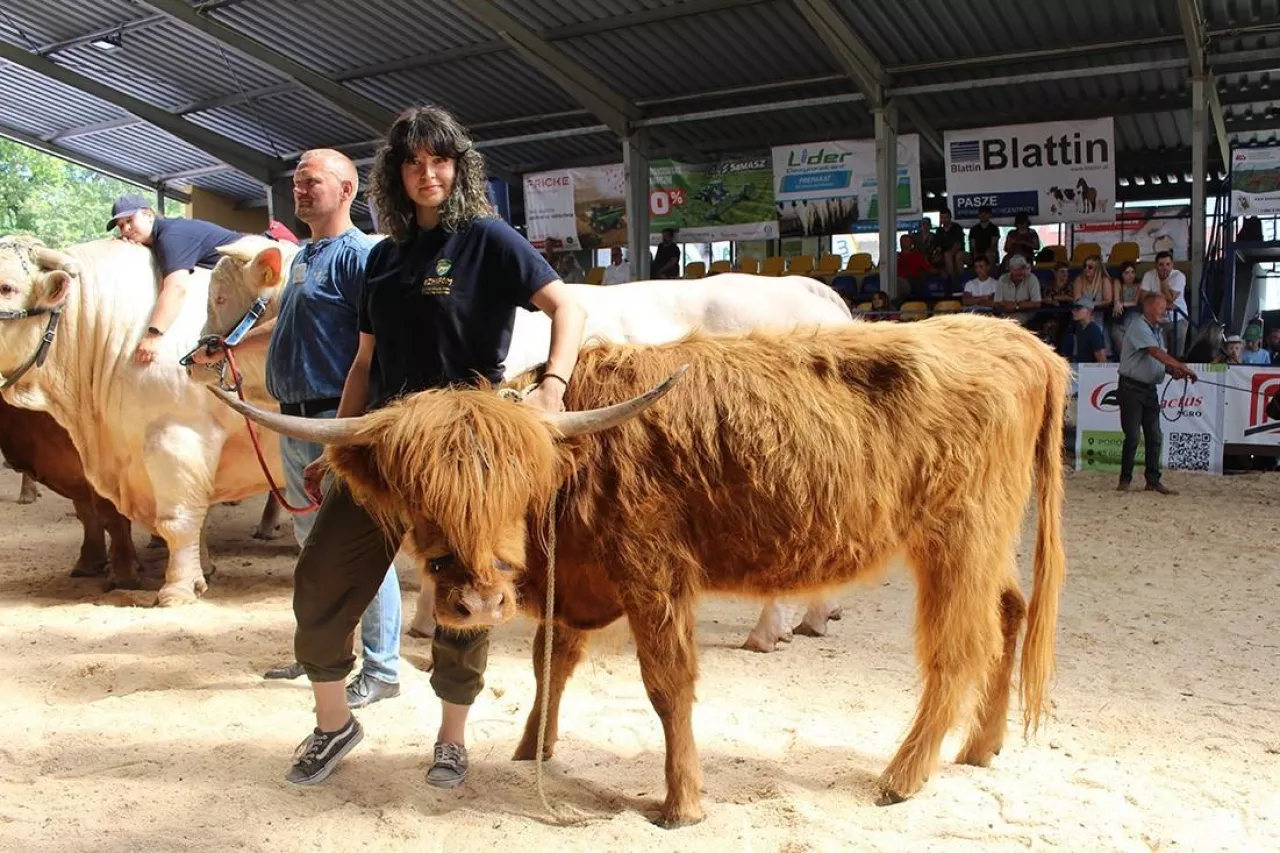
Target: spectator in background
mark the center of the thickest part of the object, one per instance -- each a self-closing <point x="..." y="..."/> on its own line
<point x="984" y="238"/>
<point x="1022" y="240"/>
<point x="1273" y="344"/>
<point x="1253" y="352"/>
<point x="1124" y="302"/>
<point x="1018" y="291"/>
<point x="882" y="307"/>
<point x="568" y="268"/>
<point x="1090" y="343"/>
<point x="1143" y="363"/>
<point x="981" y="290"/>
<point x="617" y="272"/>
<point x="950" y="239"/>
<point x="1173" y="284"/>
<point x="1093" y="282"/>
<point x="1234" y="345"/>
<point x="1061" y="293"/>
<point x="913" y="265"/>
<point x="923" y="238"/>
<point x="666" y="257"/>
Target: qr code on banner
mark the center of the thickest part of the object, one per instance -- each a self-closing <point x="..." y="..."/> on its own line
<point x="1189" y="451"/>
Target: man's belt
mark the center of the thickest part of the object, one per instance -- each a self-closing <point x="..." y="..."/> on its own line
<point x="310" y="408"/>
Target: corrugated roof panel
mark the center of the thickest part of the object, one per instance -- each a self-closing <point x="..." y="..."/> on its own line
<point x="282" y="124"/>
<point x="477" y="89"/>
<point x="38" y="105"/>
<point x="756" y="44"/>
<point x="1234" y="13"/>
<point x="548" y="14"/>
<point x="144" y="148"/>
<point x="231" y="183"/>
<point x="168" y="65"/>
<point x="334" y="35"/>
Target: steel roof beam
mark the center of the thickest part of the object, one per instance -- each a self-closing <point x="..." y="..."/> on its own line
<point x="88" y="162"/>
<point x="861" y="64"/>
<point x="1193" y="31"/>
<point x="253" y="163"/>
<point x="363" y="110"/>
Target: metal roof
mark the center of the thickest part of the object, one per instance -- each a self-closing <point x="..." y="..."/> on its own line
<point x="741" y="75"/>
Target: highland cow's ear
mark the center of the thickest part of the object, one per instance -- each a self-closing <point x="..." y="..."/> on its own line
<point x="358" y="467"/>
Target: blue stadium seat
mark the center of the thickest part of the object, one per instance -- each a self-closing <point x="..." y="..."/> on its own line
<point x="846" y="285"/>
<point x="1046" y="278"/>
<point x="870" y="285"/>
<point x="935" y="287"/>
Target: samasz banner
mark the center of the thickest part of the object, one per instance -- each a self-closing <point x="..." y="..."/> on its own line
<point x="1255" y="182"/>
<point x="1055" y="171"/>
<point x="827" y="187"/>
<point x="583" y="208"/>
<point x="710" y="202"/>
<point x="1191" y="421"/>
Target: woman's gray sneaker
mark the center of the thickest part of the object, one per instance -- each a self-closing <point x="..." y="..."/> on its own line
<point x="318" y="755"/>
<point x="450" y="767"/>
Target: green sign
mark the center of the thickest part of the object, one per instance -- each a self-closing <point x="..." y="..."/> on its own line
<point x="709" y="202"/>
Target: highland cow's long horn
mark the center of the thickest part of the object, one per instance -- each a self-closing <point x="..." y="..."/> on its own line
<point x="570" y="424"/>
<point x="318" y="430"/>
<point x="51" y="259"/>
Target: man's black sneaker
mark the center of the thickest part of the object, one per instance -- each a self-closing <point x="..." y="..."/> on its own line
<point x="365" y="690"/>
<point x="318" y="755"/>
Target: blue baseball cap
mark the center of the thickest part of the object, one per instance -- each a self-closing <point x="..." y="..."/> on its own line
<point x="126" y="206"/>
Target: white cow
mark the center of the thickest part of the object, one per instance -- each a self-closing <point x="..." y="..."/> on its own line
<point x="639" y="312"/>
<point x="152" y="441"/>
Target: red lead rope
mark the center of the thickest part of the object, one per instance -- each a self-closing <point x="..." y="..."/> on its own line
<point x="257" y="445"/>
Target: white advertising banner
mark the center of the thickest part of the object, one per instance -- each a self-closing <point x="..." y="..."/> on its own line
<point x="1056" y="171"/>
<point x="826" y="187"/>
<point x="1245" y="418"/>
<point x="1255" y="182"/>
<point x="582" y="208"/>
<point x="1191" y="421"/>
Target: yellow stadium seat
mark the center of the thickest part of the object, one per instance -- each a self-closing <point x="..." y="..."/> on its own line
<point x="1121" y="252"/>
<point x="948" y="306"/>
<point x="829" y="264"/>
<point x="864" y="306"/>
<point x="859" y="262"/>
<point x="595" y="275"/>
<point x="721" y="266"/>
<point x="774" y="266"/>
<point x="1059" y="253"/>
<point x="913" y="311"/>
<point x="800" y="265"/>
<point x="1082" y="251"/>
<point x="749" y="265"/>
<point x="695" y="269"/>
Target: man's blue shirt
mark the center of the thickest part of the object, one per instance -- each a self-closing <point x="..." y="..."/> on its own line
<point x="316" y="334"/>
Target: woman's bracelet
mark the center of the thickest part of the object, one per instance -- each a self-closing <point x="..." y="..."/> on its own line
<point x="547" y="376"/>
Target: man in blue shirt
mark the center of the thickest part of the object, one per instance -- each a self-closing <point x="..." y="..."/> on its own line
<point x="1143" y="363"/>
<point x="311" y="344"/>
<point x="179" y="245"/>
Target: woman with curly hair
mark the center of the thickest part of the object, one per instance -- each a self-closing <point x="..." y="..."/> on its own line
<point x="438" y="307"/>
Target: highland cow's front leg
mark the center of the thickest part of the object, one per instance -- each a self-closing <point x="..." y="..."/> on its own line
<point x="668" y="663"/>
<point x="568" y="646"/>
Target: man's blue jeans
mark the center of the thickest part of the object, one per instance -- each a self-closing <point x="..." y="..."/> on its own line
<point x="380" y="623"/>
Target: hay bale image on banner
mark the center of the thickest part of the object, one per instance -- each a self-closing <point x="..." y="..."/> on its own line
<point x="582" y="208"/>
<point x="1055" y="171"/>
<point x="706" y="202"/>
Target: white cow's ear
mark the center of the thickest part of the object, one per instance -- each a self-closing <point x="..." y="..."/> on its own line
<point x="54" y="290"/>
<point x="266" y="268"/>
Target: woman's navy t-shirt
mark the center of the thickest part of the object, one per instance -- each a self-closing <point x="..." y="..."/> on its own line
<point x="441" y="305"/>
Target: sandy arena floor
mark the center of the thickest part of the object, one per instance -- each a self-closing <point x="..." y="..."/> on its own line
<point x="137" y="729"/>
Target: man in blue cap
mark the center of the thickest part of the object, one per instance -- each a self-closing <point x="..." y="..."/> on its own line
<point x="180" y="245"/>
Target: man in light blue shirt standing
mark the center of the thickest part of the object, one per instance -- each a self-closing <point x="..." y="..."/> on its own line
<point x="312" y="344"/>
<point x="1143" y="363"/>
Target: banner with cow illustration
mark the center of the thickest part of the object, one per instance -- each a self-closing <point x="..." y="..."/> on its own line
<point x="829" y="187"/>
<point x="1245" y="418"/>
<point x="582" y="208"/>
<point x="1191" y="420"/>
<point x="1055" y="171"/>
<point x="712" y="202"/>
<point x="1255" y="182"/>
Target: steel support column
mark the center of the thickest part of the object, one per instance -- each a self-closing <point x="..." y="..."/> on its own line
<point x="887" y="193"/>
<point x="635" y="163"/>
<point x="1199" y="168"/>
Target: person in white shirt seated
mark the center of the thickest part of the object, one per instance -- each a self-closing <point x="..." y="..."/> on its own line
<point x="617" y="272"/>
<point x="980" y="291"/>
<point x="1173" y="284"/>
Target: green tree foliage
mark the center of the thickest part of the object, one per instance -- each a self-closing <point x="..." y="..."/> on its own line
<point x="57" y="201"/>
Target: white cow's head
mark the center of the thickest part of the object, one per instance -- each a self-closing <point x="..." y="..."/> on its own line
<point x="250" y="267"/>
<point x="34" y="281"/>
